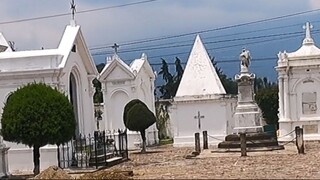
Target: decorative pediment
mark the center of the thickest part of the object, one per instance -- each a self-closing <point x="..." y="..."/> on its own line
<point x="73" y="42"/>
<point x="116" y="69"/>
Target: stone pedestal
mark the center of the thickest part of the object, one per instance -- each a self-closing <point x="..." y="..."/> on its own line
<point x="248" y="116"/>
<point x="4" y="168"/>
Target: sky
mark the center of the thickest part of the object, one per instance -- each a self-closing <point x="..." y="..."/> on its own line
<point x="163" y="18"/>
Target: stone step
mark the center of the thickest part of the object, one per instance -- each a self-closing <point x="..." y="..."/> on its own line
<point x="250" y="143"/>
<point x="109" y="162"/>
<point x="101" y="157"/>
<point x="250" y="136"/>
<point x="249" y="149"/>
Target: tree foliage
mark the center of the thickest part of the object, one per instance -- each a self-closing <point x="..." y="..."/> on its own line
<point x="138" y="117"/>
<point x="268" y="101"/>
<point x="229" y="85"/>
<point x="128" y="106"/>
<point x="167" y="89"/>
<point x="162" y="117"/>
<point x="37" y="115"/>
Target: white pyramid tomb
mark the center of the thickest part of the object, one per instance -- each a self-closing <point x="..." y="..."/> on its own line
<point x="200" y="77"/>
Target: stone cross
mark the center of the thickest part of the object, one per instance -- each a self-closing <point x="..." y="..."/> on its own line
<point x="115" y="47"/>
<point x="199" y="117"/>
<point x="308" y="28"/>
<point x="73" y="8"/>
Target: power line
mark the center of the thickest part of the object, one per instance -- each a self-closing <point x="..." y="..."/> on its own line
<point x="216" y="29"/>
<point x="211" y="42"/>
<point x="224" y="61"/>
<point x="211" y="37"/>
<point x="224" y="47"/>
<point x="287" y="36"/>
<point x="79" y="12"/>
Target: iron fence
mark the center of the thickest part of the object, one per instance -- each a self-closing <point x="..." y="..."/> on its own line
<point x="100" y="149"/>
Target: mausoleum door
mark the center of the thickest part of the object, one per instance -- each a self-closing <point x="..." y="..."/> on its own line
<point x="74" y="101"/>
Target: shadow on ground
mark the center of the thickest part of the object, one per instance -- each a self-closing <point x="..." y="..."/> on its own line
<point x="148" y="152"/>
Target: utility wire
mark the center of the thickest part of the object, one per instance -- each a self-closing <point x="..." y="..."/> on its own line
<point x="211" y="37"/>
<point x="224" y="47"/>
<point x="224" y="61"/>
<point x="216" y="29"/>
<point x="190" y="44"/>
<point x="79" y="12"/>
<point x="287" y="36"/>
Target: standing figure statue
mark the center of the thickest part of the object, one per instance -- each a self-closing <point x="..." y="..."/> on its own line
<point x="245" y="59"/>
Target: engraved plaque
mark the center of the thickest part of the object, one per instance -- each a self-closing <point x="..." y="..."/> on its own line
<point x="310" y="129"/>
<point x="309" y="104"/>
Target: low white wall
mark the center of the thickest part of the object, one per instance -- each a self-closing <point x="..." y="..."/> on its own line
<point x="21" y="160"/>
<point x="189" y="141"/>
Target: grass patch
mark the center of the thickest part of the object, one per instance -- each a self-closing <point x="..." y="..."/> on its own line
<point x="166" y="141"/>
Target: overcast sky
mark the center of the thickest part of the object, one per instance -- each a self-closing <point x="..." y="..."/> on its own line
<point x="153" y="19"/>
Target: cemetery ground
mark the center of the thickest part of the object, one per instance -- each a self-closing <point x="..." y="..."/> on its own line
<point x="166" y="162"/>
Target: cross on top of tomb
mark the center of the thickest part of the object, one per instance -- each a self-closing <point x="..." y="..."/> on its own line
<point x="73" y="9"/>
<point x="308" y="39"/>
<point x="199" y="117"/>
<point x="115" y="47"/>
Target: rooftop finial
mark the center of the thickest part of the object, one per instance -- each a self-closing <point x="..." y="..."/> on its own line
<point x="308" y="39"/>
<point x="115" y="47"/>
<point x="73" y="8"/>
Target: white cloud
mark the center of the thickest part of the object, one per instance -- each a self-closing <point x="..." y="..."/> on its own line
<point x="314" y="4"/>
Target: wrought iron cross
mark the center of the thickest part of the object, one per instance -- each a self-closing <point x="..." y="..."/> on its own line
<point x="73" y="8"/>
<point x="199" y="117"/>
<point x="115" y="47"/>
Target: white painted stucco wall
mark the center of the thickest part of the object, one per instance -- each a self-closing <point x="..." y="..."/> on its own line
<point x="217" y="121"/>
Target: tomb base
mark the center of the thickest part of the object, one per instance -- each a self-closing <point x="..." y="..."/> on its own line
<point x="261" y="141"/>
<point x="247" y="118"/>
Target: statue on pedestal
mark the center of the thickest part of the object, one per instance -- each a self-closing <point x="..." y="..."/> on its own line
<point x="245" y="60"/>
<point x="248" y="116"/>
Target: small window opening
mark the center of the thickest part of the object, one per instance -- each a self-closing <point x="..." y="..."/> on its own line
<point x="74" y="48"/>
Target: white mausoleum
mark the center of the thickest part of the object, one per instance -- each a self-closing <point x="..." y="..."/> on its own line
<point x="69" y="68"/>
<point x="299" y="92"/>
<point x="122" y="83"/>
<point x="201" y="103"/>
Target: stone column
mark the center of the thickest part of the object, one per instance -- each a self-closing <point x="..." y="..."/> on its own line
<point x="286" y="98"/>
<point x="281" y="111"/>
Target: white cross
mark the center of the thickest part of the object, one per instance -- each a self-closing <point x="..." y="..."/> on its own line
<point x="199" y="117"/>
<point x="308" y="28"/>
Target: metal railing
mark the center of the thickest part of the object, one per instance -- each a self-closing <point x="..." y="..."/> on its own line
<point x="93" y="151"/>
